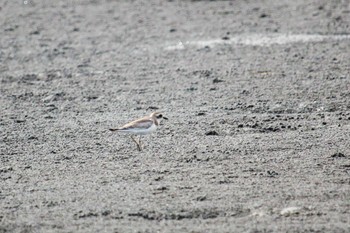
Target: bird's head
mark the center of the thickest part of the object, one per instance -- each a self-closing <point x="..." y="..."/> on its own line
<point x="159" y="116"/>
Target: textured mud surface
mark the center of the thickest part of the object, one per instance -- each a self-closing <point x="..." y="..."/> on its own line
<point x="258" y="137"/>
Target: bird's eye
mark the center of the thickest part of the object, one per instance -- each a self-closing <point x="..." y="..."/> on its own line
<point x="160" y="116"/>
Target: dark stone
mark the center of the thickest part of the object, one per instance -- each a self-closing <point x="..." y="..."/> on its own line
<point x="216" y="80"/>
<point x="338" y="155"/>
<point x="211" y="133"/>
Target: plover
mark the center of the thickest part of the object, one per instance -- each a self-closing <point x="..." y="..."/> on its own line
<point x="142" y="126"/>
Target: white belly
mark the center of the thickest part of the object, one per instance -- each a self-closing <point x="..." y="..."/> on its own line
<point x="140" y="131"/>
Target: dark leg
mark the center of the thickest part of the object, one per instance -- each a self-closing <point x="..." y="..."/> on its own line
<point x="140" y="141"/>
<point x="137" y="143"/>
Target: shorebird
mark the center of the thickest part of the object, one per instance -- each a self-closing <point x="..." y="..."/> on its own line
<point x="142" y="126"/>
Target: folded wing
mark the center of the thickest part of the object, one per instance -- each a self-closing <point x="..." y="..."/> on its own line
<point x="138" y="124"/>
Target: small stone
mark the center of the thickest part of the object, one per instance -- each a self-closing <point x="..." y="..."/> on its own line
<point x="49" y="98"/>
<point x="201" y="198"/>
<point x="20" y="120"/>
<point x="9" y="29"/>
<point x="158" y="178"/>
<point x="48" y="117"/>
<point x="290" y="211"/>
<point x="211" y="133"/>
<point x="36" y="32"/>
<point x="338" y="155"/>
<point x="6" y="169"/>
<point x="216" y="80"/>
<point x="106" y="213"/>
<point x="272" y="173"/>
<point x="191" y="89"/>
<point x="162" y="188"/>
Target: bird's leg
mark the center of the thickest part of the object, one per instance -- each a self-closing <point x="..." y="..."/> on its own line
<point x="137" y="143"/>
<point x="133" y="139"/>
<point x="140" y="141"/>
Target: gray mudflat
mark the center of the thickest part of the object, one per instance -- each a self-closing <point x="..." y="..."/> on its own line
<point x="258" y="99"/>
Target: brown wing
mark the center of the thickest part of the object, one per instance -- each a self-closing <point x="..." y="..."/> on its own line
<point x="144" y="123"/>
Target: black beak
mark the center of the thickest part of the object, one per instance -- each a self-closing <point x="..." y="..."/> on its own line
<point x="165" y="118"/>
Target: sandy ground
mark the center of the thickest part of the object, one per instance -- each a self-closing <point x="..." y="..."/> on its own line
<point x="258" y="99"/>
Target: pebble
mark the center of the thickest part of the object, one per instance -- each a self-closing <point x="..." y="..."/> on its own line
<point x="290" y="211"/>
<point x="212" y="133"/>
<point x="49" y="98"/>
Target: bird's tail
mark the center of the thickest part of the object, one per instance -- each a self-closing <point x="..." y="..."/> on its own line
<point x="113" y="130"/>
